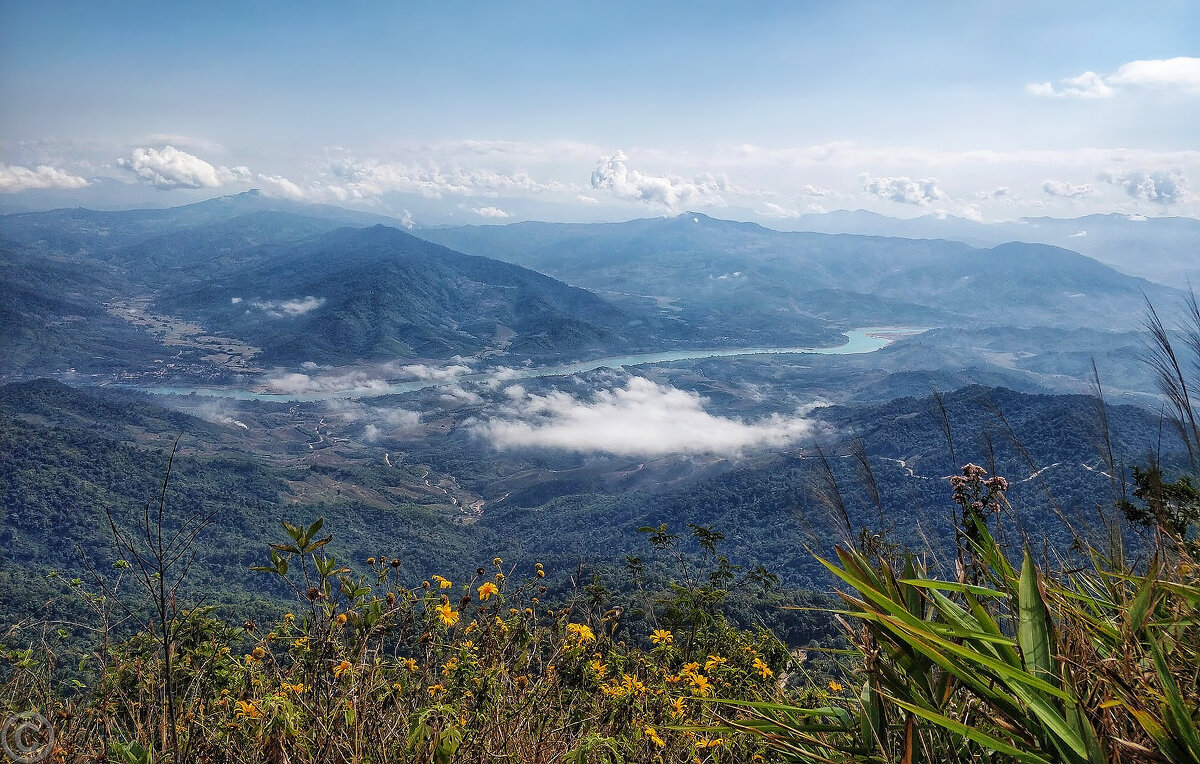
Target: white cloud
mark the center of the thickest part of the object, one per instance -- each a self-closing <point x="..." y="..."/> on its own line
<point x="281" y="186"/>
<point x="1067" y="190"/>
<point x="773" y="210"/>
<point x="288" y="308"/>
<point x="373" y="178"/>
<point x="489" y="212"/>
<point x="669" y="191"/>
<point x="1078" y="235"/>
<point x="903" y="190"/>
<point x="1181" y="74"/>
<point x="642" y="418"/>
<point x="1160" y="187"/>
<point x="295" y="383"/>
<point x="429" y="373"/>
<point x="1086" y="85"/>
<point x="15" y="178"/>
<point x="170" y="167"/>
<point x="216" y="413"/>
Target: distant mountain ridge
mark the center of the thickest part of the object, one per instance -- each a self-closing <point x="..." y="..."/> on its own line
<point x="732" y="268"/>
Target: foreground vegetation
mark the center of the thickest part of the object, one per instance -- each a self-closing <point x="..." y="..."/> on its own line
<point x="1091" y="659"/>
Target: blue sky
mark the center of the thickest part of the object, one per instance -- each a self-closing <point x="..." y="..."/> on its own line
<point x="486" y="112"/>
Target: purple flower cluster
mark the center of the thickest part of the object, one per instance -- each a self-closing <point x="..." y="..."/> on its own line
<point x="975" y="492"/>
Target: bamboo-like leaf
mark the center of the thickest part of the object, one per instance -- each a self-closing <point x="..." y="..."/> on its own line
<point x="1178" y="719"/>
<point x="975" y="735"/>
<point x="952" y="586"/>
<point x="1033" y="624"/>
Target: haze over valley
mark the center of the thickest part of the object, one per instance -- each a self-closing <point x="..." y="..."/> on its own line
<point x="646" y="383"/>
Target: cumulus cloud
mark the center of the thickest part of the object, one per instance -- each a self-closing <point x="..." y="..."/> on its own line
<point x="489" y="212"/>
<point x="170" y="167"/>
<point x="1160" y="187"/>
<point x="612" y="174"/>
<point x="287" y="308"/>
<point x="1086" y="85"/>
<point x="15" y="178"/>
<point x="281" y="186"/>
<point x="1067" y="190"/>
<point x="642" y="418"/>
<point x="1180" y="74"/>
<point x="903" y="190"/>
<point x="972" y="212"/>
<point x="358" y="179"/>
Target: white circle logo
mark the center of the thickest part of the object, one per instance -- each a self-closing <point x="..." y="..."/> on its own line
<point x="27" y="737"/>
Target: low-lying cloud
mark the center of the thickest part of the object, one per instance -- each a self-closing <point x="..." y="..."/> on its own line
<point x="643" y="418"/>
<point x="353" y="382"/>
<point x="1065" y="190"/>
<point x="612" y="174"/>
<point x="14" y="178"/>
<point x="288" y="308"/>
<point x="1160" y="187"/>
<point x="489" y="212"/>
<point x="904" y="190"/>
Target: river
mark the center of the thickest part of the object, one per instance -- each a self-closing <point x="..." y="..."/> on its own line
<point x="866" y="339"/>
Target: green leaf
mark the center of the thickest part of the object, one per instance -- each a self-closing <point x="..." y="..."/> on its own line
<point x="975" y="735"/>
<point x="1034" y="625"/>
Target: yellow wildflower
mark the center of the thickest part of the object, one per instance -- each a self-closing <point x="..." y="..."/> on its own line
<point x="689" y="669"/>
<point x="501" y="625"/>
<point x="259" y="653"/>
<point x="706" y="742"/>
<point x="442" y="583"/>
<point x="341" y="668"/>
<point x="700" y="684"/>
<point x="247" y="710"/>
<point x="487" y="590"/>
<point x="714" y="661"/>
<point x="410" y="664"/>
<point x="661" y="637"/>
<point x="835" y="686"/>
<point x="631" y="685"/>
<point x="446" y="614"/>
<point x="581" y="632"/>
<point x="435" y="689"/>
<point x="289" y="618"/>
<point x="678" y="707"/>
<point x="598" y="666"/>
<point x="763" y="668"/>
<point x="497" y="562"/>
<point x="341" y="619"/>
<point x="652" y="735"/>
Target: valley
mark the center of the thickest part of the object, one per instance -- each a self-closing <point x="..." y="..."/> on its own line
<point x="389" y="383"/>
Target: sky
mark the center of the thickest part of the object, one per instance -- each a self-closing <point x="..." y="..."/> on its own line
<point x="469" y="112"/>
